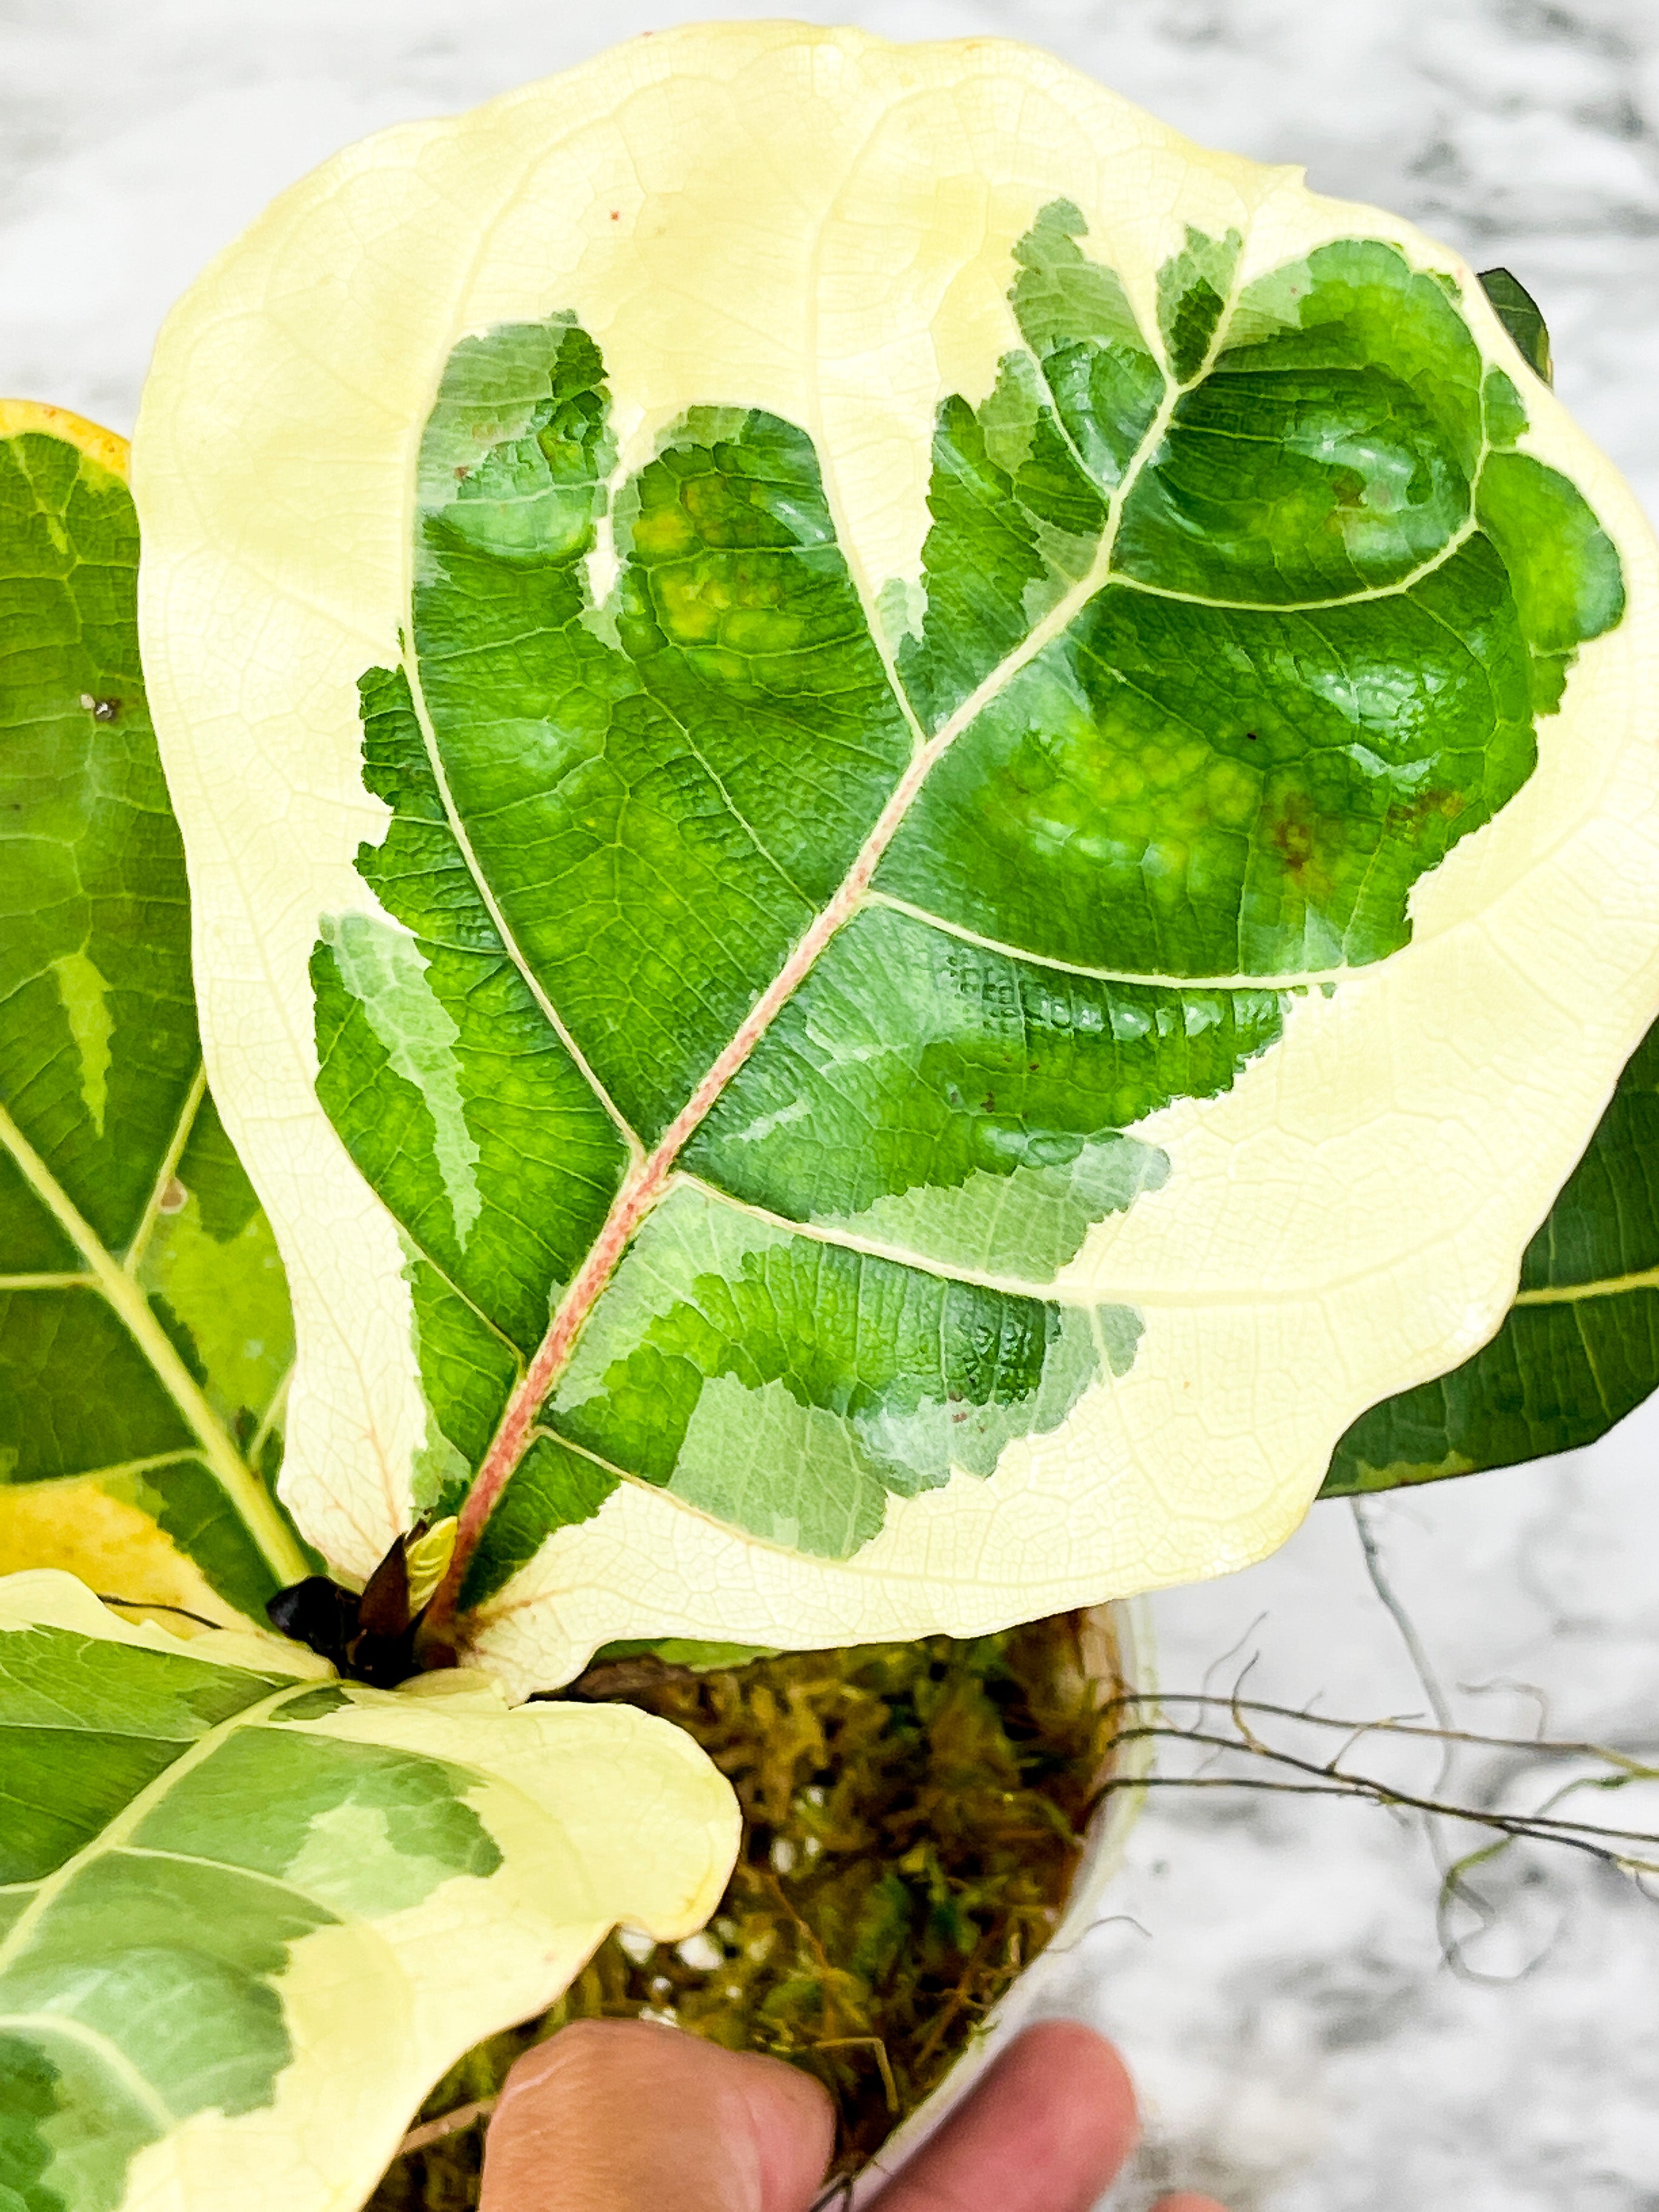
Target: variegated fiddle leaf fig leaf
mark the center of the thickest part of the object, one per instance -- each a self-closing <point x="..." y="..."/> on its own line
<point x="1578" y="1349"/>
<point x="248" y="1914"/>
<point x="145" y="1339"/>
<point x="946" y="858"/>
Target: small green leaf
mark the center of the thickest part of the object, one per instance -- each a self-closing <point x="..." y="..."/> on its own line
<point x="246" y="1921"/>
<point x="1520" y="315"/>
<point x="145" y="1339"/>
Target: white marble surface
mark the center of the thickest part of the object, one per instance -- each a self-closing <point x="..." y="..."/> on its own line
<point x="1302" y="2046"/>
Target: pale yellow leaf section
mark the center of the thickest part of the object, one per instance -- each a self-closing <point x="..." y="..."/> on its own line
<point x="820" y="223"/>
<point x="48" y="1597"/>
<point x="111" y="1544"/>
<point x="601" y="1814"/>
<point x="84" y="996"/>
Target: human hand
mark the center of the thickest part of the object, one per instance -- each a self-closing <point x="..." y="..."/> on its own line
<point x="625" y="2116"/>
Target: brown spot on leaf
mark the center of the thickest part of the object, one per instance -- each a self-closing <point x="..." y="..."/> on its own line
<point x="1407" y="814"/>
<point x="1294" y="838"/>
<point x="1306" y="844"/>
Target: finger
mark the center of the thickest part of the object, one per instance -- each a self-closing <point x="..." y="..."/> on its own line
<point x="626" y="2115"/>
<point x="1044" y="2130"/>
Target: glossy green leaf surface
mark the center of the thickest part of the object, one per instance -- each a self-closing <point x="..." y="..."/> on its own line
<point x="1578" y="1350"/>
<point x="145" y="1338"/>
<point x="897" y="866"/>
<point x="616" y="837"/>
<point x="246" y="1918"/>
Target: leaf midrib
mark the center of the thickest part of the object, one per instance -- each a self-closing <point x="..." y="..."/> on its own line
<point x="649" y="1174"/>
<point x="648" y="1177"/>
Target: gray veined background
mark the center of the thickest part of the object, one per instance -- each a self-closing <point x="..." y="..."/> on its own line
<point x="1280" y="1987"/>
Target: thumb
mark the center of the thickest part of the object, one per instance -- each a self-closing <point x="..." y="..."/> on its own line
<point x="1046" y="2127"/>
<point x="626" y="2115"/>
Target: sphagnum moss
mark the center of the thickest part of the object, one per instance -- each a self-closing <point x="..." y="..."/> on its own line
<point x="913" y="1816"/>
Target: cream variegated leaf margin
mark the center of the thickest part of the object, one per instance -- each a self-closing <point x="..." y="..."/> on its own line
<point x="248" y="1913"/>
<point x="829" y="231"/>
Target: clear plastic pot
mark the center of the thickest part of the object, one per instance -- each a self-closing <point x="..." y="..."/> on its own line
<point x="1117" y="1652"/>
